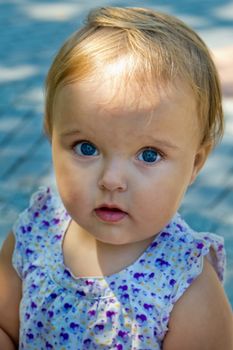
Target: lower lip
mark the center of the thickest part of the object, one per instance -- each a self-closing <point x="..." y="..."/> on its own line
<point x="110" y="215"/>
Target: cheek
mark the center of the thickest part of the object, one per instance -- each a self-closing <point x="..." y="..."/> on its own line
<point x="73" y="195"/>
<point x="75" y="185"/>
<point x="164" y="188"/>
<point x="66" y="170"/>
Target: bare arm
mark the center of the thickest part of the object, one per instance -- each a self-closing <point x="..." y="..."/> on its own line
<point x="202" y="318"/>
<point x="10" y="296"/>
<point x="6" y="342"/>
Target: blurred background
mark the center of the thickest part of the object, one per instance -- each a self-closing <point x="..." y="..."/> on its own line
<point x="30" y="34"/>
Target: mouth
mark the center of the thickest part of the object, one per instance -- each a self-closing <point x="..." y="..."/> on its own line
<point x="110" y="213"/>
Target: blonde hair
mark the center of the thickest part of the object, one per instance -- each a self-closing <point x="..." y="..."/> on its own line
<point x="164" y="48"/>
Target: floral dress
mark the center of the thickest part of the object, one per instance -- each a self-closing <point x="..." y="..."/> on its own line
<point x="128" y="310"/>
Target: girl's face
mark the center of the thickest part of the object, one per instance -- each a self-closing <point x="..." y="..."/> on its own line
<point x="122" y="160"/>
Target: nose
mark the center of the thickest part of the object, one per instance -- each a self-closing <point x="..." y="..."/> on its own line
<point x="113" y="177"/>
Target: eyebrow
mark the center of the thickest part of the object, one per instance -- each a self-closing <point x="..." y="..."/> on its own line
<point x="165" y="143"/>
<point x="161" y="142"/>
<point x="67" y="133"/>
<point x="157" y="142"/>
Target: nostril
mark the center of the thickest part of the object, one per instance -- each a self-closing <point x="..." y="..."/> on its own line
<point x="110" y="185"/>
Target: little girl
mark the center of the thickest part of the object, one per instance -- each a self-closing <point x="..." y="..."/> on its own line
<point x="133" y="108"/>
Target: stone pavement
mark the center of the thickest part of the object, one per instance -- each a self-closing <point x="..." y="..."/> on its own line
<point x="31" y="32"/>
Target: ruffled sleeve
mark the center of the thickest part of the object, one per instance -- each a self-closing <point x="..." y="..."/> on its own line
<point x="30" y="231"/>
<point x="200" y="246"/>
<point x="184" y="251"/>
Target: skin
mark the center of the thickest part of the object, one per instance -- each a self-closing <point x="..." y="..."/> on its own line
<point x="150" y="193"/>
<point x="10" y="296"/>
<point x="121" y="129"/>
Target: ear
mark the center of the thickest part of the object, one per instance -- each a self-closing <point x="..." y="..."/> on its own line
<point x="200" y="159"/>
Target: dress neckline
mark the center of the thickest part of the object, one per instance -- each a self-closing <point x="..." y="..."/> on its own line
<point x="93" y="286"/>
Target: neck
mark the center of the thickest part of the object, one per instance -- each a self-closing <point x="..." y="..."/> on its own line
<point x="86" y="256"/>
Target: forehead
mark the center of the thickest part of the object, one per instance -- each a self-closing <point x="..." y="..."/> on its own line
<point x="119" y="89"/>
<point x="109" y="102"/>
<point x="121" y="84"/>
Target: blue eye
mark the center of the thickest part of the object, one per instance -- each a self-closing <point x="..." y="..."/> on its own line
<point x="85" y="149"/>
<point x="149" y="155"/>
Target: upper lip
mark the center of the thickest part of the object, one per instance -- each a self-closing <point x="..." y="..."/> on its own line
<point x="110" y="206"/>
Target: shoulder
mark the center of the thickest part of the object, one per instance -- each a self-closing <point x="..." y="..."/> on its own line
<point x="202" y="318"/>
<point x="182" y="251"/>
<point x="45" y="210"/>
<point x="37" y="228"/>
<point x="43" y="203"/>
<point x="189" y="248"/>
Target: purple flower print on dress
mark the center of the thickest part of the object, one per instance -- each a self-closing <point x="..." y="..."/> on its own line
<point x="142" y="261"/>
<point x="200" y="245"/>
<point x="51" y="314"/>
<point x="48" y="346"/>
<point x="33" y="305"/>
<point x="141" y="318"/>
<point x="124" y="297"/>
<point x="136" y="291"/>
<point x="80" y="293"/>
<point x="27" y="316"/>
<point x="123" y="334"/>
<point x="118" y="347"/>
<point x="55" y="221"/>
<point x="165" y="235"/>
<point x="36" y="214"/>
<point x="99" y="328"/>
<point x="44" y="225"/>
<point x="28" y="228"/>
<point x="220" y="247"/>
<point x="110" y="314"/>
<point x="32" y="267"/>
<point x="172" y="282"/>
<point x="64" y="337"/>
<point x="91" y="312"/>
<point x="52" y="296"/>
<point x="153" y="245"/>
<point x="67" y="273"/>
<point x="23" y="229"/>
<point x="123" y="288"/>
<point x="38" y="238"/>
<point x="40" y="324"/>
<point x="190" y="280"/>
<point x="30" y="337"/>
<point x="29" y="251"/>
<point x="162" y="264"/>
<point x="139" y="275"/>
<point x="151" y="275"/>
<point x="67" y="307"/>
<point x="148" y="307"/>
<point x="87" y="343"/>
<point x="56" y="238"/>
<point x="89" y="283"/>
<point x="180" y="227"/>
<point x="74" y="327"/>
<point x="187" y="253"/>
<point x="40" y="198"/>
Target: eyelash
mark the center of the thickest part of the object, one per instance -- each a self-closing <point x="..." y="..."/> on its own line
<point x="159" y="153"/>
<point x="151" y="149"/>
<point x="80" y="143"/>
